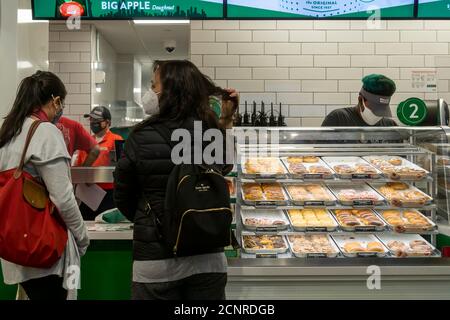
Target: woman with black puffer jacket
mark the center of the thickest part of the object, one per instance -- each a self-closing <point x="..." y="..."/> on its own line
<point x="180" y="96"/>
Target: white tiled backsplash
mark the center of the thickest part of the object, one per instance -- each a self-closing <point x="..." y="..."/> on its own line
<point x="314" y="67"/>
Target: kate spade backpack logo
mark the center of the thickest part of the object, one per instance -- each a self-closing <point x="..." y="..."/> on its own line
<point x="202" y="188"/>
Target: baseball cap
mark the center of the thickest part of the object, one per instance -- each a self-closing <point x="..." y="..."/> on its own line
<point x="99" y="113"/>
<point x="378" y="90"/>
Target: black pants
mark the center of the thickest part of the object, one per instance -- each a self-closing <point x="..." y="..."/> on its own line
<point x="106" y="204"/>
<point x="46" y="288"/>
<point x="205" y="286"/>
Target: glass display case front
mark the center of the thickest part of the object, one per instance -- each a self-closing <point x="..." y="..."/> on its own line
<point x="340" y="192"/>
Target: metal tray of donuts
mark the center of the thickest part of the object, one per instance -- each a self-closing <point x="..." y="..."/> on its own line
<point x="359" y="220"/>
<point x="358" y="245"/>
<point x="263" y="201"/>
<point x="407" y="221"/>
<point x="312" y="220"/>
<point x="307" y="168"/>
<point x="357" y="195"/>
<point x="408" y="245"/>
<point x="264" y="244"/>
<point x="264" y="220"/>
<point x="314" y="194"/>
<point x="397" y="168"/>
<point x="400" y="194"/>
<point x="263" y="168"/>
<point x="313" y="246"/>
<point x="354" y="168"/>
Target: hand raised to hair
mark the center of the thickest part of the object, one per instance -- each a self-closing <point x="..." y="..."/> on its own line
<point x="230" y="106"/>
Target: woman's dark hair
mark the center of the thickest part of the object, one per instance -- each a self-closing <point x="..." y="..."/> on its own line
<point x="33" y="93"/>
<point x="185" y="93"/>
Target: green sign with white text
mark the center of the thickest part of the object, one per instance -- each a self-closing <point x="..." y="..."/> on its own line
<point x="123" y="9"/>
<point x="434" y="9"/>
<point x="412" y="111"/>
<point x="323" y="9"/>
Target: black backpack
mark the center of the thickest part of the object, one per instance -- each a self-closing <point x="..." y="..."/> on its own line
<point x="197" y="213"/>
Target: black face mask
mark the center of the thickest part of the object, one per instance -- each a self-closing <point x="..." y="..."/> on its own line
<point x="96" y="127"/>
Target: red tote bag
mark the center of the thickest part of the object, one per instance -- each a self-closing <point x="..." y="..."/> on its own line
<point x="32" y="233"/>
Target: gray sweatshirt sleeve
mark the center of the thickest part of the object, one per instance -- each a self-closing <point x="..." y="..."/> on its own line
<point x="56" y="176"/>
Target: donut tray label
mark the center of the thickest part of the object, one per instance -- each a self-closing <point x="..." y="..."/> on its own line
<point x="266" y="255"/>
<point x="360" y="176"/>
<point x="363" y="203"/>
<point x="266" y="230"/>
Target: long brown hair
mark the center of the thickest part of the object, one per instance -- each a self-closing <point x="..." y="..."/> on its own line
<point x="34" y="92"/>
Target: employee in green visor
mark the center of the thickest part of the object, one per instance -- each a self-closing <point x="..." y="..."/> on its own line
<point x="373" y="107"/>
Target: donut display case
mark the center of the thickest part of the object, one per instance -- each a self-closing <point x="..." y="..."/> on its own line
<point x="374" y="201"/>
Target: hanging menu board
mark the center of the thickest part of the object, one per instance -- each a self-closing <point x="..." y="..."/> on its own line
<point x="434" y="9"/>
<point x="123" y="9"/>
<point x="324" y="9"/>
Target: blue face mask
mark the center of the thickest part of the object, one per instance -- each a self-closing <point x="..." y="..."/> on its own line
<point x="58" y="116"/>
<point x="59" y="113"/>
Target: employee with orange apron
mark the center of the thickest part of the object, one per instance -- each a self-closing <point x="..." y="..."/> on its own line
<point x="100" y="122"/>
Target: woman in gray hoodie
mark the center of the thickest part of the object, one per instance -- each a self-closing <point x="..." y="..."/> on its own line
<point x="41" y="97"/>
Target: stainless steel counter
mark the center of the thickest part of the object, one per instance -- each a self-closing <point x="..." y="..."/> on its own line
<point x="92" y="174"/>
<point x="444" y="228"/>
<point x="339" y="278"/>
<point x="338" y="267"/>
<point x="119" y="231"/>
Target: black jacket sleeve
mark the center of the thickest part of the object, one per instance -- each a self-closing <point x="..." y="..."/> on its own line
<point x="125" y="180"/>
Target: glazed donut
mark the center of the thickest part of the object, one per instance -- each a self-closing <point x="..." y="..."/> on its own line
<point x="395" y="161"/>
<point x="397" y="185"/>
<point x="375" y="247"/>
<point x="416" y="243"/>
<point x="353" y="247"/>
<point x="310" y="159"/>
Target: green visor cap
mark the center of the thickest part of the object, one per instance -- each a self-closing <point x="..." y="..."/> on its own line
<point x="379" y="85"/>
<point x="378" y="90"/>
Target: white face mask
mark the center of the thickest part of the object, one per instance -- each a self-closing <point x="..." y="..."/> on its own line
<point x="368" y="116"/>
<point x="150" y="102"/>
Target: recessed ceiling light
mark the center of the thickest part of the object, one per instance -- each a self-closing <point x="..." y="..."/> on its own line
<point x="24" y="64"/>
<point x="26" y="16"/>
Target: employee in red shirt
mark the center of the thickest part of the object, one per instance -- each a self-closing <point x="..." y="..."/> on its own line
<point x="100" y="122"/>
<point x="77" y="138"/>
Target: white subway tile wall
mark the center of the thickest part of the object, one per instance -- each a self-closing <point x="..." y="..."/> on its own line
<point x="70" y="59"/>
<point x="315" y="67"/>
<point x="311" y="67"/>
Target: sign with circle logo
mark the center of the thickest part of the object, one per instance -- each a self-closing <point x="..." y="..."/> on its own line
<point x="71" y="8"/>
<point x="412" y="111"/>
